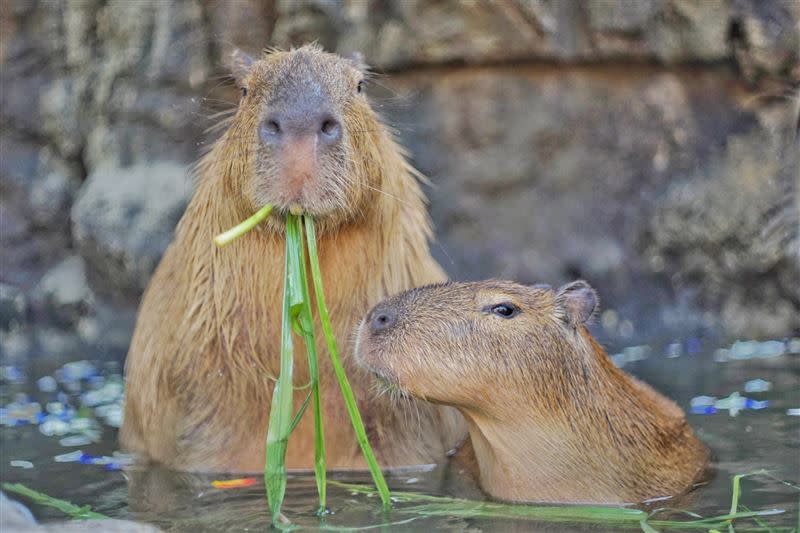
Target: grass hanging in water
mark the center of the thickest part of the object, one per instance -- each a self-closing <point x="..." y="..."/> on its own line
<point x="305" y="325"/>
<point x="68" y="508"/>
<point x="344" y="384"/>
<point x="425" y="506"/>
<point x="297" y="316"/>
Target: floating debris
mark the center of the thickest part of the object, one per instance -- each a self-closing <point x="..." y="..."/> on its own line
<point x="21" y="464"/>
<point x="71" y="457"/>
<point x="107" y="392"/>
<point x="76" y="371"/>
<point x="722" y="355"/>
<point x="694" y="345"/>
<point x="702" y="401"/>
<point x="12" y="374"/>
<point x="233" y="483"/>
<point x="87" y="459"/>
<point x="708" y="405"/>
<point x="703" y="405"/>
<point x="631" y="354"/>
<point x="412" y="480"/>
<point x="757" y="385"/>
<point x="53" y="427"/>
<point x="736" y="403"/>
<point x="47" y="384"/>
<point x="111" y="414"/>
<point x="21" y="412"/>
<point x="793" y="346"/>
<point x="673" y="350"/>
<point x="75" y="440"/>
<point x="795" y="411"/>
<point x="744" y="350"/>
<point x="54" y="408"/>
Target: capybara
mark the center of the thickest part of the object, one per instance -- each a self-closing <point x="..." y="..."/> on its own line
<point x="550" y="418"/>
<point x="205" y="351"/>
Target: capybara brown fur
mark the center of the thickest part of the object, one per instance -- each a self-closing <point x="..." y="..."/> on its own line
<point x="205" y="351"/>
<point x="550" y="418"/>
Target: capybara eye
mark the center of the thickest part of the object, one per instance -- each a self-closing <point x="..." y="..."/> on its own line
<point x="360" y="87"/>
<point x="244" y="91"/>
<point x="505" y="310"/>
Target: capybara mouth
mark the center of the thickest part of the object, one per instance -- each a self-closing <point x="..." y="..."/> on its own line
<point x="366" y="355"/>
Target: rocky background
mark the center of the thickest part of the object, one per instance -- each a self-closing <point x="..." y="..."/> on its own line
<point x="648" y="146"/>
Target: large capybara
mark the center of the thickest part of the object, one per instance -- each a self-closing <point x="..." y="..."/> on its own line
<point x="550" y="418"/>
<point x="205" y="352"/>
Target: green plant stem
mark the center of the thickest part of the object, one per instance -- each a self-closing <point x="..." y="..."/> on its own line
<point x="623" y="517"/>
<point x="344" y="384"/>
<point x="280" y="414"/>
<point x="83" y="513"/>
<point x="243" y="227"/>
<point x="309" y="339"/>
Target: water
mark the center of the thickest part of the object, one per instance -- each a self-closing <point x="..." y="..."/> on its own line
<point x="764" y="438"/>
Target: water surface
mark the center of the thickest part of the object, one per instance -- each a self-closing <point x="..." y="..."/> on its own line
<point x="767" y="438"/>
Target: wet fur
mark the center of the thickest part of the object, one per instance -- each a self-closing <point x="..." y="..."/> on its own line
<point x="551" y="419"/>
<point x="205" y="351"/>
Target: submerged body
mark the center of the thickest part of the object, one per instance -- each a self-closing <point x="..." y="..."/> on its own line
<point x="550" y="418"/>
<point x="205" y="352"/>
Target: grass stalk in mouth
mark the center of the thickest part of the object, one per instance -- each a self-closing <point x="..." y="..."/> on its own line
<point x="297" y="316"/>
<point x="305" y="324"/>
<point x="243" y="227"/>
<point x="280" y="413"/>
<point x="344" y="384"/>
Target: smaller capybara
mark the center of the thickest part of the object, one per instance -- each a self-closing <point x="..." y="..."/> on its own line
<point x="550" y="418"/>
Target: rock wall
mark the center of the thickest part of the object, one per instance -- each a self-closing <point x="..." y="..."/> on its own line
<point x="647" y="146"/>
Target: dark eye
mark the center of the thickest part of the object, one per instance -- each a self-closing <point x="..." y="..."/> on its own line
<point x="505" y="310"/>
<point x="360" y="87"/>
<point x="244" y="91"/>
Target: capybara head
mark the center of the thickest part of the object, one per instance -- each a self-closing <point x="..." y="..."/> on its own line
<point x="453" y="342"/>
<point x="305" y="133"/>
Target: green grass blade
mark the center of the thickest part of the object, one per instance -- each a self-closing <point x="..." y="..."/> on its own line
<point x="344" y="384"/>
<point x="647" y="528"/>
<point x="620" y="517"/>
<point x="307" y="331"/>
<point x="280" y="413"/>
<point x="243" y="227"/>
<point x="82" y="513"/>
<point x="300" y="412"/>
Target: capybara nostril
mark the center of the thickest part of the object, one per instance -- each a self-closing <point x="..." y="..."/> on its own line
<point x="270" y="130"/>
<point x="331" y="130"/>
<point x="381" y="320"/>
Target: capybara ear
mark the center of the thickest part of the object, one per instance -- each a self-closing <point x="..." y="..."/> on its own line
<point x="576" y="302"/>
<point x="241" y="62"/>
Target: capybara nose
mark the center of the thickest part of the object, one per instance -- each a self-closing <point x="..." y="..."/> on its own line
<point x="322" y="125"/>
<point x="381" y="319"/>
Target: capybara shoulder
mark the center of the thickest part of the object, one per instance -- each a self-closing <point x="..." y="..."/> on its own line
<point x="550" y="418"/>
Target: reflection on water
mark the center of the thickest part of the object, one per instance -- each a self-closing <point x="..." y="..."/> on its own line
<point x="764" y="438"/>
